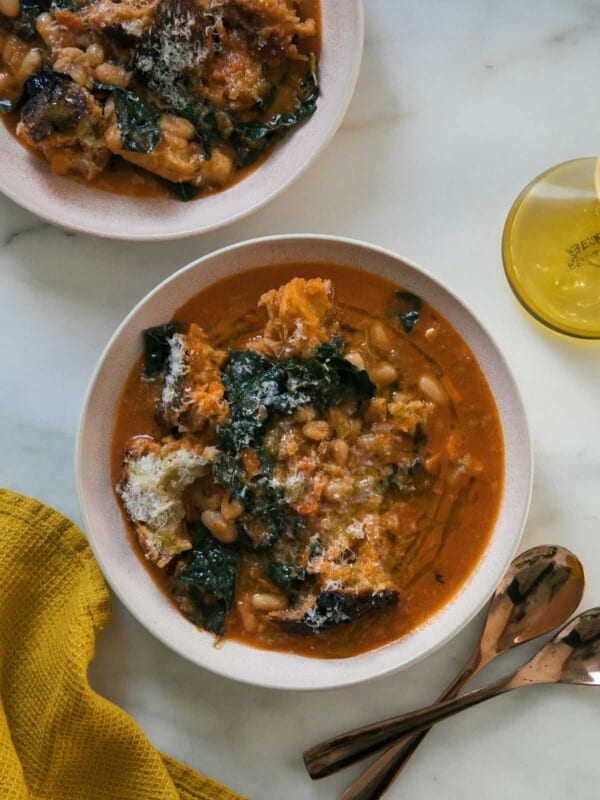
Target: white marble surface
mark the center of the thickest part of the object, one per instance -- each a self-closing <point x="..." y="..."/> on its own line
<point x="458" y="105"/>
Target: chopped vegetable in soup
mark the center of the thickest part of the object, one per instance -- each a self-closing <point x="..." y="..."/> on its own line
<point x="178" y="96"/>
<point x="313" y="468"/>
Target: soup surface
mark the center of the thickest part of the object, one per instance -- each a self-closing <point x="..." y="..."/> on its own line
<point x="311" y="457"/>
<point x="156" y="98"/>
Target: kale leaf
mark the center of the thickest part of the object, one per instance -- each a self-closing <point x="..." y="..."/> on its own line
<point x="137" y="120"/>
<point x="210" y="576"/>
<point x="252" y="139"/>
<point x="256" y="388"/>
<point x="157" y="348"/>
<point x="228" y="472"/>
<point x="182" y="191"/>
<point x="409" y="310"/>
<point x="24" y="25"/>
<point x="266" y="515"/>
<point x="252" y="389"/>
<point x="284" y="575"/>
<point x="202" y="116"/>
<point x="315" y="382"/>
<point x="350" y="378"/>
<point x="43" y="81"/>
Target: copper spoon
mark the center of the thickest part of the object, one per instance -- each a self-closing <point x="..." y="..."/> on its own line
<point x="572" y="657"/>
<point x="536" y="614"/>
<point x="540" y="590"/>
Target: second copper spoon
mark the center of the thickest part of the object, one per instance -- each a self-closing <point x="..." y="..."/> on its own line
<point x="540" y="590"/>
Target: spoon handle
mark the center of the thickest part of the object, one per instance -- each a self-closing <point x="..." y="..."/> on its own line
<point x="333" y="754"/>
<point x="318" y="768"/>
<point x="373" y="782"/>
<point x="375" y="779"/>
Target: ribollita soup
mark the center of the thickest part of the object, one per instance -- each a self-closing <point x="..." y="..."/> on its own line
<point x="309" y="458"/>
<point x="150" y="98"/>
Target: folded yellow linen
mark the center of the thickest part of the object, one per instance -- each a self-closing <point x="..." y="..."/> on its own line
<point x="59" y="740"/>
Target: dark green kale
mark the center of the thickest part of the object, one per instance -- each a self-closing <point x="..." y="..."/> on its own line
<point x="182" y="191"/>
<point x="157" y="348"/>
<point x="24" y="25"/>
<point x="137" y="120"/>
<point x="409" y="309"/>
<point x="256" y="388"/>
<point x="266" y="515"/>
<point x="228" y="472"/>
<point x="316" y="382"/>
<point x="252" y="139"/>
<point x="210" y="576"/>
<point x="252" y="389"/>
<point x="351" y="378"/>
<point x="285" y="575"/>
<point x="43" y="81"/>
<point x="202" y="116"/>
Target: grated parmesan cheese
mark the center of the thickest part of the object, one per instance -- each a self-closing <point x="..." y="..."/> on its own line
<point x="174" y="48"/>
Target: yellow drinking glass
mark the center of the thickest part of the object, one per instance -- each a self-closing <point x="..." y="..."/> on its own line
<point x="551" y="248"/>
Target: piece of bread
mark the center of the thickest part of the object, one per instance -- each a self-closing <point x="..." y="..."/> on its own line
<point x="154" y="478"/>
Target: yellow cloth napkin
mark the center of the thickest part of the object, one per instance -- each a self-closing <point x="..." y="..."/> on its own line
<point x="59" y="740"/>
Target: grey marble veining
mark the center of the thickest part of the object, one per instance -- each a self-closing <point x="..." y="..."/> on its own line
<point x="458" y="105"/>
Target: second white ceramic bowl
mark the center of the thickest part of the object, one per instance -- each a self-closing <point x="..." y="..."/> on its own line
<point x="130" y="579"/>
<point x="28" y="181"/>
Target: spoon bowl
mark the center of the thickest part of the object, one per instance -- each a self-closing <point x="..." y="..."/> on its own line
<point x="541" y="589"/>
<point x="572" y="657"/>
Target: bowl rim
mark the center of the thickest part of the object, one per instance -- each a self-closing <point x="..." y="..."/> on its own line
<point x="46" y="211"/>
<point x="334" y="677"/>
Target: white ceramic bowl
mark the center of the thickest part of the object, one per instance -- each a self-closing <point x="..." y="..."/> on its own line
<point x="130" y="579"/>
<point x="28" y="181"/>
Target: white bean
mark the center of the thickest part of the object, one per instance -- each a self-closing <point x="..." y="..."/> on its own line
<point x="264" y="601"/>
<point x="356" y="359"/>
<point x="118" y="76"/>
<point x="379" y="338"/>
<point x="10" y="8"/>
<point x="31" y="63"/>
<point x="95" y="55"/>
<point x="222" y="530"/>
<point x="383" y="374"/>
<point x="433" y="389"/>
<point x="305" y="414"/>
<point x="339" y="451"/>
<point x="231" y="509"/>
<point x="317" y="430"/>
